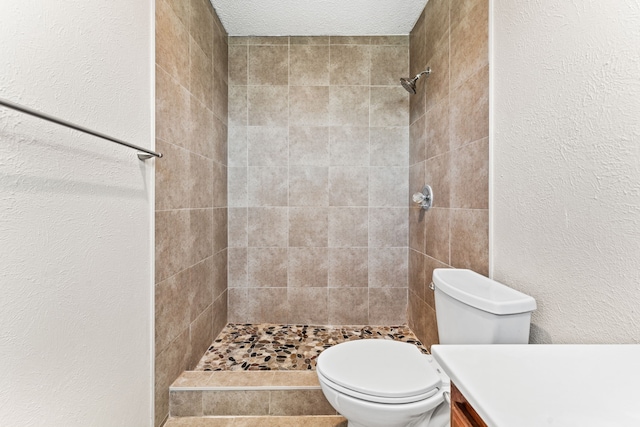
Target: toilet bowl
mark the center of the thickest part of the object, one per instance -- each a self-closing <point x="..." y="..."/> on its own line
<point x="384" y="383"/>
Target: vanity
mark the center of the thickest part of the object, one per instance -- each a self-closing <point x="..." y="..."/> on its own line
<point x="543" y="385"/>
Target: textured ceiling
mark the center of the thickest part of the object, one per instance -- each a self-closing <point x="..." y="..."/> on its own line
<point x="318" y="17"/>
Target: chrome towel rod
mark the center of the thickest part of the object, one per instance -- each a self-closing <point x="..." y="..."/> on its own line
<point x="146" y="154"/>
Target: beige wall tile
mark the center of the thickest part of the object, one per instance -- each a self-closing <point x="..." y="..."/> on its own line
<point x="219" y="229"/>
<point x="390" y="40"/>
<point x="238" y="106"/>
<point x="172" y="309"/>
<point x="201" y="129"/>
<point x="238" y="269"/>
<point x="350" y="65"/>
<point x="267" y="146"/>
<point x="389" y="146"/>
<point x="309" y="105"/>
<point x="418" y="46"/>
<point x="388" y="186"/>
<point x="238" y="305"/>
<point x="470" y="239"/>
<point x="308" y="186"/>
<point x="267" y="186"/>
<point x="267" y="267"/>
<point x="172" y="176"/>
<point x="469" y="109"/>
<point x="200" y="289"/>
<point x="201" y="335"/>
<point x="268" y="227"/>
<point x="309" y="145"/>
<point x="169" y="365"/>
<point x="437" y="234"/>
<point x="172" y="43"/>
<point x="436" y="26"/>
<point x="200" y="234"/>
<point x="418" y="141"/>
<point x="238" y="65"/>
<point x="469" y="40"/>
<point x="417" y="229"/>
<point x="172" y="110"/>
<point x="388" y="64"/>
<point x="268" y="105"/>
<point x="388" y="306"/>
<point x="348" y="227"/>
<point x="348" y="306"/>
<point x="219" y="277"/>
<point x="389" y="106"/>
<point x="201" y="24"/>
<point x="437" y="85"/>
<point x="364" y="40"/>
<point x="388" y="227"/>
<point x="173" y="251"/>
<point x="238" y="150"/>
<point x="309" y="64"/>
<point x="437" y="175"/>
<point x="308" y="306"/>
<point x="348" y="267"/>
<point x="437" y="119"/>
<point x="470" y="176"/>
<point x="268" y="305"/>
<point x="308" y="227"/>
<point x="388" y="267"/>
<point x="268" y="65"/>
<point x="220" y="95"/>
<point x="220" y="149"/>
<point x="348" y="186"/>
<point x="238" y="187"/>
<point x="268" y="40"/>
<point x="220" y="184"/>
<point x="417" y="274"/>
<point x="349" y="106"/>
<point x="200" y="189"/>
<point x="309" y="40"/>
<point x="201" y="70"/>
<point x="308" y="267"/>
<point x="349" y="146"/>
<point x="238" y="234"/>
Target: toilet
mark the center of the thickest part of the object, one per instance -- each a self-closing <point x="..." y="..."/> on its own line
<point x="385" y="383"/>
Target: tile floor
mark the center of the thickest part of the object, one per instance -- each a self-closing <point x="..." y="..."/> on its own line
<point x="265" y="347"/>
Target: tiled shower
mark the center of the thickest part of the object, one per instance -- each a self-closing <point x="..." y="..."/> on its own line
<point x="318" y="189"/>
<point x="284" y="195"/>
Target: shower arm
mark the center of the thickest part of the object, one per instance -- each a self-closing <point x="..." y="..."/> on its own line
<point x="427" y="72"/>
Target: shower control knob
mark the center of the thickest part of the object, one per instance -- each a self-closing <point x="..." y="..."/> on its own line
<point x="419" y="198"/>
<point x="424" y="198"/>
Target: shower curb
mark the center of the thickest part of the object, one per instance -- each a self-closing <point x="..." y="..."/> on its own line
<point x="248" y="393"/>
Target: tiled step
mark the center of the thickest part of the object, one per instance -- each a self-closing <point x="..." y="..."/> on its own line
<point x="308" y="421"/>
<point x="248" y="394"/>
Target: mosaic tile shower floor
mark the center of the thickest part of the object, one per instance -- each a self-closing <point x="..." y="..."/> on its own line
<point x="265" y="347"/>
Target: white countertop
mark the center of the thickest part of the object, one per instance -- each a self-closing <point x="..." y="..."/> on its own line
<point x="547" y="385"/>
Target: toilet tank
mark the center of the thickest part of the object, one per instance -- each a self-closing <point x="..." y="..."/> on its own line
<point x="473" y="309"/>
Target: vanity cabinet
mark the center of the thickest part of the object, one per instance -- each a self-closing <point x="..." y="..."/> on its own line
<point x="462" y="413"/>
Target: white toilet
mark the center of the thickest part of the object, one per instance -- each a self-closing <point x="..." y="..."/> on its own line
<point x="384" y="383"/>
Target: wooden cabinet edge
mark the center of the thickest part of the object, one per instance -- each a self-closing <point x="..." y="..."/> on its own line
<point x="462" y="413"/>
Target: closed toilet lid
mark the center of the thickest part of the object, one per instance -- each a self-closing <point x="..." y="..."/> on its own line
<point x="379" y="367"/>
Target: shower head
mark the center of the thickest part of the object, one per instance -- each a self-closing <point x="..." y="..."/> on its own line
<point x="410" y="84"/>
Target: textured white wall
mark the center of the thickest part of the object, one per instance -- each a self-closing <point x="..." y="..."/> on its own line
<point x="566" y="164"/>
<point x="76" y="282"/>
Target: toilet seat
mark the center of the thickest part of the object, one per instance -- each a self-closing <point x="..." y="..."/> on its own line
<point x="379" y="370"/>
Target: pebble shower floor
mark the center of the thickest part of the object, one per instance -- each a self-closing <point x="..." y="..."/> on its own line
<point x="265" y="347"/>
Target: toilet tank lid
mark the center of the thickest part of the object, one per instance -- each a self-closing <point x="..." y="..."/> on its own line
<point x="481" y="292"/>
